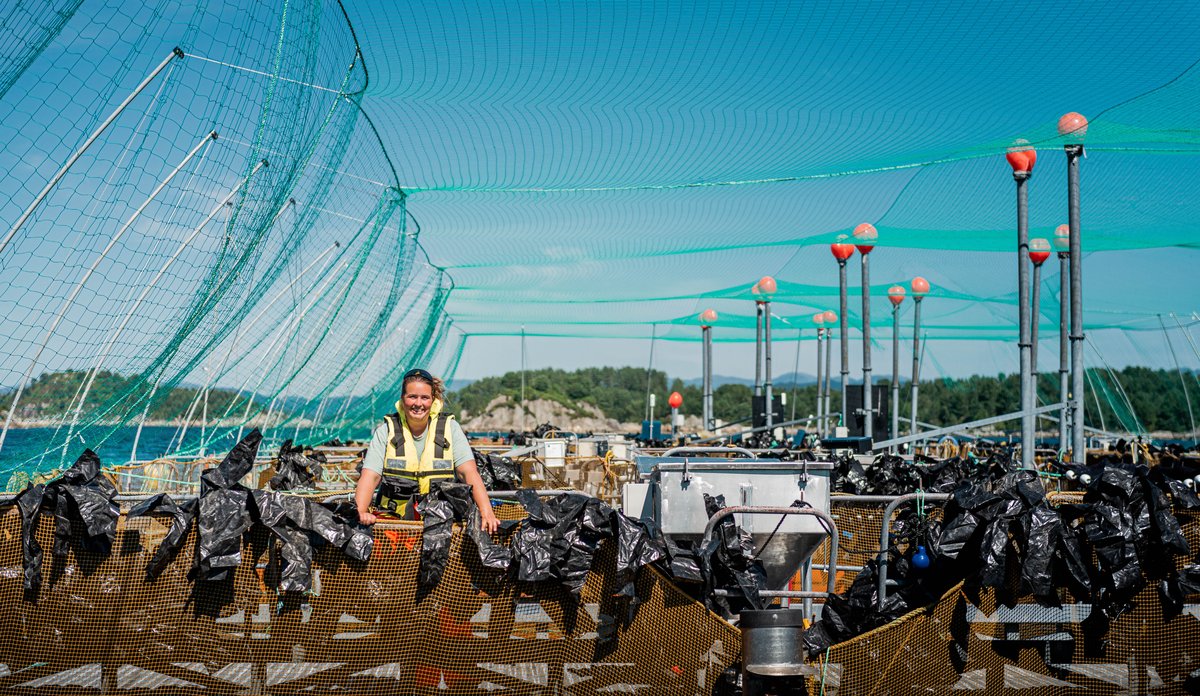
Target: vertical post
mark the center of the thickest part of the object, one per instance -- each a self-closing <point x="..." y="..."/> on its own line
<point x="796" y="372"/>
<point x="13" y="407"/>
<point x="820" y="385"/>
<point x="1064" y="297"/>
<point x="844" y="337"/>
<point x="1078" y="451"/>
<point x="1023" y="343"/>
<point x="522" y="377"/>
<point x="137" y="436"/>
<point x="1035" y="314"/>
<point x="758" y="331"/>
<point x="895" y="374"/>
<point x="706" y="374"/>
<point x="175" y="53"/>
<point x="916" y="368"/>
<point x="828" y="375"/>
<point x="868" y="411"/>
<point x="766" y="308"/>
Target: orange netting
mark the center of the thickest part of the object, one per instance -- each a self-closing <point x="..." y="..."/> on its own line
<point x="98" y="626"/>
<point x="956" y="645"/>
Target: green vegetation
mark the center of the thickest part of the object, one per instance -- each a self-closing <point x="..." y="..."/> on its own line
<point x="50" y="395"/>
<point x="1157" y="396"/>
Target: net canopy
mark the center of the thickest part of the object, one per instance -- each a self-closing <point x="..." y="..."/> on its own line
<point x="236" y="213"/>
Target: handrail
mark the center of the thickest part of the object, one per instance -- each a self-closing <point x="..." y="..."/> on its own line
<point x="830" y="529"/>
<point x="885" y="531"/>
<point x="689" y="450"/>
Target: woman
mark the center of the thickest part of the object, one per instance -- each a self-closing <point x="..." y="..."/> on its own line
<point x="414" y="447"/>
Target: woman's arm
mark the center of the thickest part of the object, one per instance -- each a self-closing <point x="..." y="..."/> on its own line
<point x="470" y="475"/>
<point x="364" y="492"/>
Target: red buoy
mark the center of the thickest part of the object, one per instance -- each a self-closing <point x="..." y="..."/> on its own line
<point x="1021" y="157"/>
<point x="920" y="287"/>
<point x="1062" y="238"/>
<point x="896" y="295"/>
<point x="840" y="249"/>
<point x="767" y="286"/>
<point x="1039" y="251"/>
<point x="708" y="317"/>
<point x="865" y="236"/>
<point x="1073" y="126"/>
<point x="675" y="400"/>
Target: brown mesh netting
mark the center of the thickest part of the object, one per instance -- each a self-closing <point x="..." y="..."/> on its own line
<point x="97" y="626"/>
<point x="957" y="645"/>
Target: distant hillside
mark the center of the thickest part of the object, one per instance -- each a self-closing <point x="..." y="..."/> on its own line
<point x="50" y="395"/>
<point x="1157" y="397"/>
<point x="618" y="392"/>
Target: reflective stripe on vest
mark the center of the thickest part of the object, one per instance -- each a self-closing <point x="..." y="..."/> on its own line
<point x="401" y="459"/>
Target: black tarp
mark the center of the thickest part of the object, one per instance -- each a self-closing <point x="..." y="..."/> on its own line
<point x="81" y="496"/>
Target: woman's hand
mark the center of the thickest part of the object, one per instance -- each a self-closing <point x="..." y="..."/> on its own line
<point x="488" y="521"/>
<point x="367" y="518"/>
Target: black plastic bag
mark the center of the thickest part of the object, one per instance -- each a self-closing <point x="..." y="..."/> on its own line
<point x="498" y="473"/>
<point x="296" y="521"/>
<point x="182" y="518"/>
<point x="224" y="512"/>
<point x="446" y="502"/>
<point x="636" y="547"/>
<point x="82" y="495"/>
<point x="295" y="469"/>
<point x="29" y="504"/>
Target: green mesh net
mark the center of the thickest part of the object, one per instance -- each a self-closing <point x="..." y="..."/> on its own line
<point x="395" y="188"/>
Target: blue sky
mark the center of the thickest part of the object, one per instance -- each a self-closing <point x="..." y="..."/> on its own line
<point x="572" y="164"/>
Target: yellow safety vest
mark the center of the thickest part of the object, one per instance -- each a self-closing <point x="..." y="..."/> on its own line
<point x="411" y="470"/>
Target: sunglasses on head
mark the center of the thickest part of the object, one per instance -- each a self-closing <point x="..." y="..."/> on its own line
<point x="418" y="372"/>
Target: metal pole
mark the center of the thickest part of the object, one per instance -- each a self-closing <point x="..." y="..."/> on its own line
<point x="167" y="265"/>
<point x="12" y="409"/>
<point x="796" y="372"/>
<point x="758" y="331"/>
<point x="828" y="376"/>
<point x="844" y="336"/>
<point x="1064" y="296"/>
<point x="145" y="412"/>
<point x="112" y="242"/>
<point x="916" y="371"/>
<point x="706" y="375"/>
<point x="767" y="363"/>
<point x="175" y="53"/>
<point x="1023" y="341"/>
<point x="1078" y="451"/>
<point x="868" y="410"/>
<point x="820" y="383"/>
<point x="895" y="372"/>
<point x="1035" y="318"/>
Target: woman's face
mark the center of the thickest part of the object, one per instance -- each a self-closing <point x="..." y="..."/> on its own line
<point x="418" y="399"/>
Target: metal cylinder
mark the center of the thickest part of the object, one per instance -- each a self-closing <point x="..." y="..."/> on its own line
<point x="868" y="411"/>
<point x="895" y="374"/>
<point x="916" y="371"/>
<point x="706" y="358"/>
<point x="844" y="336"/>
<point x="1078" y="452"/>
<point x="772" y="642"/>
<point x="820" y="385"/>
<point x="828" y="376"/>
<point x="758" y="330"/>
<point x="767" y="365"/>
<point x="1064" y="358"/>
<point x="1023" y="317"/>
